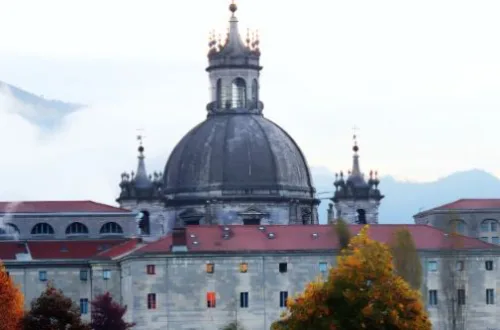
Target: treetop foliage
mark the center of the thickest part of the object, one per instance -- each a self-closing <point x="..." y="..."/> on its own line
<point x="108" y="314"/>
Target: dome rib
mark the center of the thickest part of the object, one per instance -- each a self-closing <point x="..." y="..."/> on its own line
<point x="275" y="168"/>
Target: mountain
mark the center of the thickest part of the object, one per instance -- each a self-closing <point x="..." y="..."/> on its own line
<point x="42" y="112"/>
<point x="404" y="199"/>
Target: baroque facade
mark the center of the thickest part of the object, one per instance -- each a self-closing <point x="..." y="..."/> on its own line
<point x="230" y="229"/>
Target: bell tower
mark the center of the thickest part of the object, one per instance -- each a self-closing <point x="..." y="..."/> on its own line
<point x="234" y="71"/>
<point x="355" y="200"/>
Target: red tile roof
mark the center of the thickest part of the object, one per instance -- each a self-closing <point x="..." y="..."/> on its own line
<point x="466" y="204"/>
<point x="43" y="250"/>
<point x="121" y="249"/>
<point x="295" y="238"/>
<point x="58" y="207"/>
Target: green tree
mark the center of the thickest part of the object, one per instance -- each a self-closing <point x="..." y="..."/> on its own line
<point x="53" y="311"/>
<point x="343" y="233"/>
<point x="362" y="292"/>
<point x="406" y="259"/>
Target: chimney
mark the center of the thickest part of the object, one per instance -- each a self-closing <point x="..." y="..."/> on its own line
<point x="179" y="241"/>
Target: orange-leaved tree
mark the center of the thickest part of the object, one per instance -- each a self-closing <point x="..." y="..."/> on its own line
<point x="11" y="302"/>
<point x="362" y="292"/>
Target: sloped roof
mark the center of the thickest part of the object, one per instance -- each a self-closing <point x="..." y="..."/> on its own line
<point x="300" y="238"/>
<point x="465" y="204"/>
<point x="53" y="250"/>
<point x="59" y="207"/>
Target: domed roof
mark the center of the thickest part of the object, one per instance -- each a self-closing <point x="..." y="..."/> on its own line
<point x="237" y="152"/>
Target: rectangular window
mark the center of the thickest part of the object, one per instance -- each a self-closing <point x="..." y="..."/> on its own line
<point x="84" y="306"/>
<point x="243" y="267"/>
<point x="484" y="239"/>
<point x="211" y="300"/>
<point x="460" y="266"/>
<point x="84" y="275"/>
<point x="495" y="240"/>
<point x="151" y="300"/>
<point x="283" y="267"/>
<point x="244" y="299"/>
<point x="42" y="275"/>
<point x="488" y="265"/>
<point x="210" y="268"/>
<point x="461" y="296"/>
<point x="484" y="227"/>
<point x="493" y="226"/>
<point x="150" y="269"/>
<point x="433" y="297"/>
<point x="323" y="267"/>
<point x="490" y="297"/>
<point x="106" y="274"/>
<point x="8" y="273"/>
<point x="283" y="298"/>
<point x="432" y="266"/>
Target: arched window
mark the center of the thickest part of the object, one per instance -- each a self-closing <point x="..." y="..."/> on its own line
<point x="361" y="217"/>
<point x="144" y="223"/>
<point x="42" y="229"/>
<point x="111" y="228"/>
<point x="458" y="226"/>
<point x="218" y="92"/>
<point x="238" y="93"/>
<point x="255" y="90"/>
<point x="77" y="228"/>
<point x="9" y="230"/>
<point x="489" y="231"/>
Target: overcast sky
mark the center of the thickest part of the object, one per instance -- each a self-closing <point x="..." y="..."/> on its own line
<point x="421" y="80"/>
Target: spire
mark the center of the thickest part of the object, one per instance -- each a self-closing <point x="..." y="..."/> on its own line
<point x="142" y="181"/>
<point x="356" y="171"/>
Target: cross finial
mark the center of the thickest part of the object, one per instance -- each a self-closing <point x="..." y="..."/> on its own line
<point x="354" y="134"/>
<point x="140" y="138"/>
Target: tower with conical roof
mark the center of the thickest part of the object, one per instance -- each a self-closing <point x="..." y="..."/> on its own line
<point x="141" y="193"/>
<point x="355" y="200"/>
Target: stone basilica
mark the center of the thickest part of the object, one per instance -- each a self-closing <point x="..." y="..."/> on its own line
<point x="229" y="230"/>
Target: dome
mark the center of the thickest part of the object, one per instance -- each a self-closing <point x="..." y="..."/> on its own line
<point x="237" y="154"/>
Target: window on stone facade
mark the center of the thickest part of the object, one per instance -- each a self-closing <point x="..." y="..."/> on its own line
<point x="461" y="296"/>
<point x="361" y="217"/>
<point x="458" y="226"/>
<point x="485" y="239"/>
<point x="144" y="222"/>
<point x="77" y="228"/>
<point x="283" y="267"/>
<point x="84" y="275"/>
<point x="151" y="300"/>
<point x="106" y="274"/>
<point x="238" y="93"/>
<point x="150" y="269"/>
<point x="488" y="265"/>
<point x="460" y="266"/>
<point x="490" y="297"/>
<point x="244" y="299"/>
<point x="84" y="306"/>
<point x="210" y="268"/>
<point x="243" y="267"/>
<point x="489" y="225"/>
<point x="111" y="228"/>
<point x="323" y="268"/>
<point x="432" y="266"/>
<point x="433" y="297"/>
<point x="495" y="240"/>
<point x="8" y="273"/>
<point x="211" y="300"/>
<point x="42" y="229"/>
<point x="283" y="298"/>
<point x="42" y="275"/>
<point x="9" y="230"/>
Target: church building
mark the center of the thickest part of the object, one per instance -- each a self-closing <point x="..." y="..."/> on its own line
<point x="229" y="230"/>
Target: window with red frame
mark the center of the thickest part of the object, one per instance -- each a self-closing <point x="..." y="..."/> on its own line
<point x="151" y="269"/>
<point x="152" y="301"/>
<point x="211" y="299"/>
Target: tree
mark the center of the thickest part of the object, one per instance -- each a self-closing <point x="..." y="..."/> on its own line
<point x="452" y="278"/>
<point x="11" y="302"/>
<point x="405" y="258"/>
<point x="363" y="292"/>
<point x="343" y="233"/>
<point x="235" y="325"/>
<point x="108" y="314"/>
<point x="53" y="311"/>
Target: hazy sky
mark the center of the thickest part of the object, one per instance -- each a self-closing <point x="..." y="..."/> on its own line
<point x="421" y="79"/>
